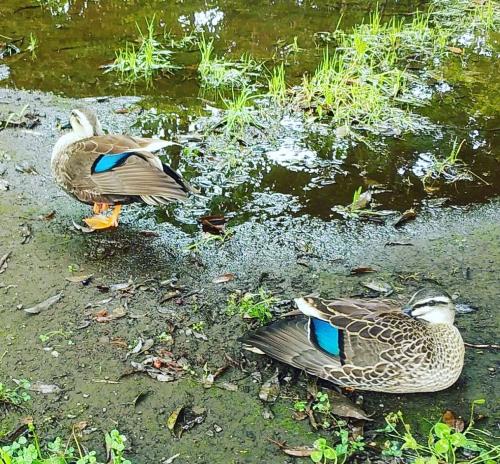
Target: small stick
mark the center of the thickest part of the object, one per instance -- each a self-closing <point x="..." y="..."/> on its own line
<point x="486" y="346"/>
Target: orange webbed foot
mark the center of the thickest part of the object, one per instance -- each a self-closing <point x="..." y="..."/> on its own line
<point x="101" y="222"/>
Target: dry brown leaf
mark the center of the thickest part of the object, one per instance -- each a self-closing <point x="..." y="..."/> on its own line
<point x="80" y="279"/>
<point x="228" y="277"/>
<point x="344" y="407"/>
<point x="105" y="316"/>
<point x="298" y="451"/>
<point x="213" y="224"/>
<point x="454" y="422"/>
<point x="408" y="215"/>
<point x="362" y="270"/>
<point x="456" y="50"/>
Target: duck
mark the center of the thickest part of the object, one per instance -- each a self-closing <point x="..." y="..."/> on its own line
<point x="111" y="170"/>
<point x="374" y="345"/>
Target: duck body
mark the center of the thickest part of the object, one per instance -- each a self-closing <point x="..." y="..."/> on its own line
<point x="367" y="345"/>
<point x="117" y="170"/>
<point x="106" y="170"/>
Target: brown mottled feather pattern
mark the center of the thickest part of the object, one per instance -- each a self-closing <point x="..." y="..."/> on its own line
<point x="384" y="349"/>
<point x="141" y="175"/>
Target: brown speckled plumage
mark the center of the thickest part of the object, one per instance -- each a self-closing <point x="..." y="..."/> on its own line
<point x="382" y="349"/>
<point x="140" y="176"/>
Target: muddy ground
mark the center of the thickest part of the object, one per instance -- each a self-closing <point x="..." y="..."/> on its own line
<point x="459" y="248"/>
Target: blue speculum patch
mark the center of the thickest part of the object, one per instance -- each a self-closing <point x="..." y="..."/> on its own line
<point x="108" y="162"/>
<point x="326" y="336"/>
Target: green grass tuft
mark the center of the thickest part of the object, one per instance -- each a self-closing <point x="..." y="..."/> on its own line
<point x="143" y="62"/>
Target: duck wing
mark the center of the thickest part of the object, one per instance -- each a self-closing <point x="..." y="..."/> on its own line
<point x="123" y="166"/>
<point x="288" y="341"/>
<point x="371" y="331"/>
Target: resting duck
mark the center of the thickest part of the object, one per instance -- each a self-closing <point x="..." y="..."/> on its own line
<point x="112" y="170"/>
<point x="370" y="344"/>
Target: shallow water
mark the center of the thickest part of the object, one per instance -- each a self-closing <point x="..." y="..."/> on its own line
<point x="296" y="171"/>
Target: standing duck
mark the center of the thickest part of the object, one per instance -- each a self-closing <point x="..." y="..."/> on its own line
<point x="370" y="344"/>
<point x="112" y="170"/>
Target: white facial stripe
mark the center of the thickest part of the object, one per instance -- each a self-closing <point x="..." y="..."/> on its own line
<point x="434" y="299"/>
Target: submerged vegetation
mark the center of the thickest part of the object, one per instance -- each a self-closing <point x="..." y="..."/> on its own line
<point x="219" y="73"/>
<point x="450" y="168"/>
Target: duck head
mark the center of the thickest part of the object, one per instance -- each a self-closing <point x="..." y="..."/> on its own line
<point x="84" y="123"/>
<point x="432" y="306"/>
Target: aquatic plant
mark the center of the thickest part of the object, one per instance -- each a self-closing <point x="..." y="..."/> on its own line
<point x="447" y="167"/>
<point x="276" y="84"/>
<point x="219" y="73"/>
<point x="143" y="62"/>
<point x="443" y="443"/>
<point x="56" y="7"/>
<point x="252" y="306"/>
<point x="32" y="45"/>
<point x="238" y="114"/>
<point x="364" y="84"/>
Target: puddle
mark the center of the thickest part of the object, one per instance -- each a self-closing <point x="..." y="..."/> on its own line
<point x="280" y="183"/>
<point x="309" y="163"/>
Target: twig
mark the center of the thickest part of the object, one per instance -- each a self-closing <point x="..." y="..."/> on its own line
<point x="486" y="346"/>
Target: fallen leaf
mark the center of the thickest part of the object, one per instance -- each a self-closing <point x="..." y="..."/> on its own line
<point x="224" y="278"/>
<point x="83" y="229"/>
<point x="173" y="418"/>
<point x="298" y="451"/>
<point x="104" y="315"/>
<point x="122" y="287"/>
<point x="362" y="270"/>
<point x="169" y="295"/>
<point x="363" y="201"/>
<point x="81" y="279"/>
<point x="454" y="422"/>
<point x="79" y="427"/>
<point x="48" y="216"/>
<point x="344" y="407"/>
<point x="44" y="305"/>
<point x="270" y="389"/>
<point x="44" y="388"/>
<point x="137" y="348"/>
<point x="164" y="369"/>
<point x="456" y="50"/>
<point x="213" y="224"/>
<point x="379" y="286"/>
<point x="228" y="386"/>
<point x="408" y="215"/>
<point x="171" y="459"/>
<point x="4" y="261"/>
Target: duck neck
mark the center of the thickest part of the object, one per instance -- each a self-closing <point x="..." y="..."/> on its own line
<point x="64" y="141"/>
